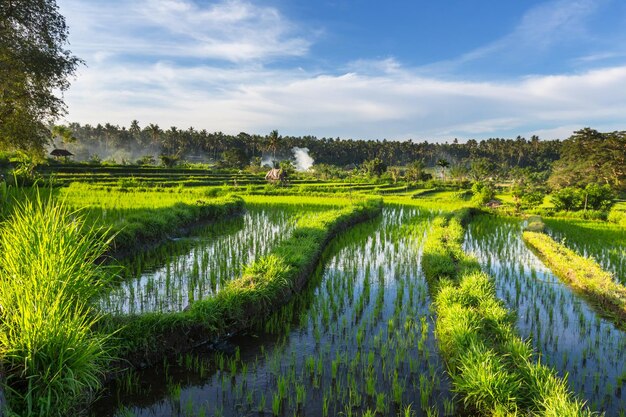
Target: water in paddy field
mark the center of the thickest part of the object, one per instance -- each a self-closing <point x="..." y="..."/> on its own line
<point x="570" y="336"/>
<point x="602" y="244"/>
<point x="187" y="269"/>
<point x="358" y="339"/>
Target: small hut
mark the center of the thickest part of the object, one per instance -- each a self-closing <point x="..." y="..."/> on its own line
<point x="493" y="204"/>
<point x="275" y="175"/>
<point x="61" y="153"/>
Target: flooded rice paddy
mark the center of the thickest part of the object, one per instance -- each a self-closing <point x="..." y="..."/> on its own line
<point x="571" y="337"/>
<point x="169" y="277"/>
<point x="358" y="341"/>
<point x="605" y="242"/>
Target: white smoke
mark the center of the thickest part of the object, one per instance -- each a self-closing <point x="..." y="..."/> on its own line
<point x="303" y="160"/>
<point x="267" y="160"/>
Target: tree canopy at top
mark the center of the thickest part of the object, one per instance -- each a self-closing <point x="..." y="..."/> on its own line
<point x="35" y="67"/>
<point x="589" y="156"/>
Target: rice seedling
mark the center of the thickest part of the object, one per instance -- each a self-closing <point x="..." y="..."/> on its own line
<point x="584" y="275"/>
<point x="576" y="341"/>
<point x="472" y="326"/>
<point x="326" y="366"/>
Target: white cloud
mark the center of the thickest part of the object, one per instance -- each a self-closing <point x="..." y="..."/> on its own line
<point x="174" y="62"/>
<point x="229" y="30"/>
<point x="370" y="105"/>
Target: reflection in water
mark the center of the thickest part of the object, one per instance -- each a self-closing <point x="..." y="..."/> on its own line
<point x="569" y="335"/>
<point x="192" y="268"/>
<point x="359" y="339"/>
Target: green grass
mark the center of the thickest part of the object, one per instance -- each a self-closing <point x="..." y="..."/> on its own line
<point x="48" y="277"/>
<point x="582" y="274"/>
<point x="492" y="369"/>
<point x="266" y="284"/>
<point x="604" y="241"/>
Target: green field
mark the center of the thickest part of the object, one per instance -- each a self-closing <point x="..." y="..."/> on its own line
<point x="206" y="297"/>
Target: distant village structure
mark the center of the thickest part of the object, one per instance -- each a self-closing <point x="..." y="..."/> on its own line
<point x="276" y="175"/>
<point x="61" y="153"/>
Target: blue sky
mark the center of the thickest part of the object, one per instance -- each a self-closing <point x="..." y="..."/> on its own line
<point x="363" y="69"/>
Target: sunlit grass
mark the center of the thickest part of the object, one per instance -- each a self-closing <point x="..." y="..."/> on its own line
<point x="48" y="277"/>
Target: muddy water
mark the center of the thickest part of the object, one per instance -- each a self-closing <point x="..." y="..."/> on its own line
<point x="358" y="339"/>
<point x="571" y="337"/>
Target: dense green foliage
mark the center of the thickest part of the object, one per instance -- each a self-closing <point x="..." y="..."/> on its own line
<point x="592" y="197"/>
<point x="34" y="68"/>
<point x="131" y="144"/>
<point x="48" y="277"/>
<point x="590" y="156"/>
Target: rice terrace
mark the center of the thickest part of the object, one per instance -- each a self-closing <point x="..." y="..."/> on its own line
<point x="280" y="267"/>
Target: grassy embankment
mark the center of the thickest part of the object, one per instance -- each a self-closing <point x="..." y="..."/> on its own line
<point x="146" y="217"/>
<point x="494" y="370"/>
<point x="584" y="275"/>
<point x="55" y="346"/>
<point x="266" y="284"/>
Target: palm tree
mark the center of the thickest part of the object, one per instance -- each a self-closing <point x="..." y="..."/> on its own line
<point x="443" y="164"/>
<point x="272" y="142"/>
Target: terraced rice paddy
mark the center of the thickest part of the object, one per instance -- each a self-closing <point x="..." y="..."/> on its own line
<point x="189" y="269"/>
<point x="590" y="238"/>
<point x="359" y="340"/>
<point x="571" y="337"/>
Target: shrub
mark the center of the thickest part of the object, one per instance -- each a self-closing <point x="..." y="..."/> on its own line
<point x="568" y="198"/>
<point x="483" y="192"/>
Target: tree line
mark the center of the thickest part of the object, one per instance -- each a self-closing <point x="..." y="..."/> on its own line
<point x="110" y="140"/>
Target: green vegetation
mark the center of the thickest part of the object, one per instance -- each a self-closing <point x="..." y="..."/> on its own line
<point x="583" y="274"/>
<point x="51" y="356"/>
<point x="253" y="270"/>
<point x="36" y="68"/>
<point x="601" y="240"/>
<point x="265" y="284"/>
<point x="491" y="367"/>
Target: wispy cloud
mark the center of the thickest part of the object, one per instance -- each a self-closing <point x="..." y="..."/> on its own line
<point x="175" y="62"/>
<point x="230" y="30"/>
<point x="541" y="29"/>
<point x="393" y="105"/>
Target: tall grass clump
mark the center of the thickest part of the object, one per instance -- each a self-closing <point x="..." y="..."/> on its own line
<point x="48" y="277"/>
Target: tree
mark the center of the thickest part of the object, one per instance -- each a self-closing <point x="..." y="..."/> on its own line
<point x="272" y="142"/>
<point x="443" y="164"/>
<point x="34" y="68"/>
<point x="589" y="156"/>
<point x="481" y="169"/>
<point x="375" y="167"/>
<point x="234" y="158"/>
<point x="415" y="171"/>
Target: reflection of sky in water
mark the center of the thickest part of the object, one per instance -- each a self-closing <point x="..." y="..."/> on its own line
<point x="204" y="266"/>
<point x="371" y="278"/>
<point x="569" y="335"/>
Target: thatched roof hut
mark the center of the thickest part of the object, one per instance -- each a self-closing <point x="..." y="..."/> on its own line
<point x="275" y="175"/>
<point x="59" y="153"/>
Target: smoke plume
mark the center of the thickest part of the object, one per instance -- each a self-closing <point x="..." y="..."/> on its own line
<point x="303" y="160"/>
